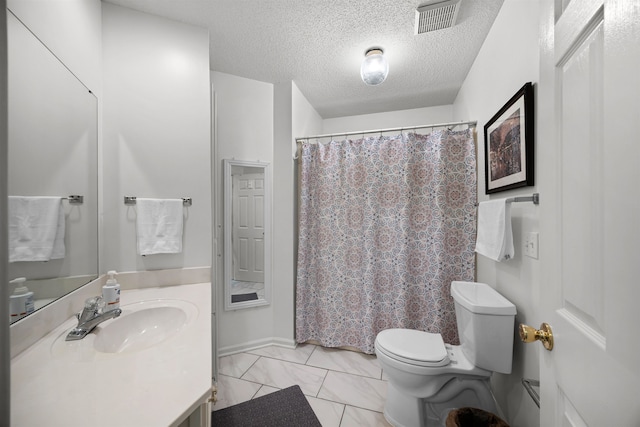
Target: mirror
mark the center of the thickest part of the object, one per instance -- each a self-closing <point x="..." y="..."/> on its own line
<point x="247" y="234"/>
<point x="53" y="128"/>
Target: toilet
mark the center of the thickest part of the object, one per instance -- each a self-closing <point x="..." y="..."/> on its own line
<point x="428" y="378"/>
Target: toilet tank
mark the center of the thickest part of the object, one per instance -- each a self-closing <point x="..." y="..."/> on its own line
<point x="485" y="325"/>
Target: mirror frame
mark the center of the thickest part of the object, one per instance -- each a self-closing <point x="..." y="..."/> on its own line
<point x="228" y="257"/>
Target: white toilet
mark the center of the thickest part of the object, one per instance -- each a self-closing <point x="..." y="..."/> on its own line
<point x="428" y="378"/>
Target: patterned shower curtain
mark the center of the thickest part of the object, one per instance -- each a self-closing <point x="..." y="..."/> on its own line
<point x="385" y="225"/>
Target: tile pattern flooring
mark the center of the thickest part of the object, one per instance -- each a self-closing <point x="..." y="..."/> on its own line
<point x="344" y="388"/>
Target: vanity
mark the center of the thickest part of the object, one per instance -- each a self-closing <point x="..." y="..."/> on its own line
<point x="151" y="366"/>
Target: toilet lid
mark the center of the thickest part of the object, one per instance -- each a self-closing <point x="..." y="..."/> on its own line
<point x="412" y="346"/>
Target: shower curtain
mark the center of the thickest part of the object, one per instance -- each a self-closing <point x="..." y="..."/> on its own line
<point x="385" y="225"/>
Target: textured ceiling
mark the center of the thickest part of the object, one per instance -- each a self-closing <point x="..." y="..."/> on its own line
<point x="320" y="44"/>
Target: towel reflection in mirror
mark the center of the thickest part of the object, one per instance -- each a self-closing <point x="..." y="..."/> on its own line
<point x="36" y="228"/>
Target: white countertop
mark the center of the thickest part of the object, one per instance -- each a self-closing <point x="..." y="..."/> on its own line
<point x="156" y="386"/>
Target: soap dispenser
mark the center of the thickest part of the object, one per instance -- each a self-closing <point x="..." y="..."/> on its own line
<point x="21" y="301"/>
<point x="111" y="292"/>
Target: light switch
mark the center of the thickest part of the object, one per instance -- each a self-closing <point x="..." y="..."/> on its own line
<point x="531" y="245"/>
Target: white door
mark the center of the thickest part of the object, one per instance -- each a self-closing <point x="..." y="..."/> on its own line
<point x="248" y="227"/>
<point x="589" y="109"/>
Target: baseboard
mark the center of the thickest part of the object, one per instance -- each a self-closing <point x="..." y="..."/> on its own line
<point x="256" y="344"/>
<point x="344" y="347"/>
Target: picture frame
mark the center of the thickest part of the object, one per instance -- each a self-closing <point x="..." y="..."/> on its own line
<point x="509" y="144"/>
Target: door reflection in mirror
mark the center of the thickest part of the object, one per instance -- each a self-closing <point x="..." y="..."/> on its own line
<point x="247" y="255"/>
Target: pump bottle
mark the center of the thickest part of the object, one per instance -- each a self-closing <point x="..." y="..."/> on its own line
<point x="21" y="301"/>
<point x="111" y="292"/>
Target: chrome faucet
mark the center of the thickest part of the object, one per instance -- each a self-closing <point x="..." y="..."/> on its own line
<point x="92" y="315"/>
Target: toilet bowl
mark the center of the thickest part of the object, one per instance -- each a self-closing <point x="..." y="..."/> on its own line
<point x="427" y="378"/>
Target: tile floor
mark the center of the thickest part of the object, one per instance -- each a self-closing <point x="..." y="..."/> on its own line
<point x="344" y="388"/>
<point x="238" y="287"/>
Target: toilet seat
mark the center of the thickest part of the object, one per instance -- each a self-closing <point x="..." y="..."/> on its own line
<point x="413" y="347"/>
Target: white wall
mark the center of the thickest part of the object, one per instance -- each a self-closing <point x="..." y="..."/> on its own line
<point x="72" y="30"/>
<point x="284" y="205"/>
<point x="305" y="120"/>
<point x="258" y="121"/>
<point x="294" y="116"/>
<point x="244" y="132"/>
<point x="245" y="118"/>
<point x="509" y="58"/>
<point x="391" y="119"/>
<point x="157" y="133"/>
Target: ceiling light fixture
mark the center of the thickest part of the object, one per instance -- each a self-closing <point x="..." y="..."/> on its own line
<point x="374" y="68"/>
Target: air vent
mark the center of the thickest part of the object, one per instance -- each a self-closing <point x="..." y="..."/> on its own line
<point x="436" y="15"/>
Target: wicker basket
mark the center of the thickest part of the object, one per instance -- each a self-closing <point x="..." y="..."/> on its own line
<point x="473" y="417"/>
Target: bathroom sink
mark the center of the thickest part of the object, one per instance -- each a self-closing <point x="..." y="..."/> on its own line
<point x="140" y="326"/>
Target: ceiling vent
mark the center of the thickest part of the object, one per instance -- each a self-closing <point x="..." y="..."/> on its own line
<point x="436" y="15"/>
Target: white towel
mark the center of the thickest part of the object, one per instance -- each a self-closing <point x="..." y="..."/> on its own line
<point x="59" y="249"/>
<point x="159" y="226"/>
<point x="36" y="228"/>
<point x="495" y="238"/>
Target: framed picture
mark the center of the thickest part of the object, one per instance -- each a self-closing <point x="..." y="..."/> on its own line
<point x="508" y="144"/>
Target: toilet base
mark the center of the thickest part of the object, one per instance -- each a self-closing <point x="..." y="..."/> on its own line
<point x="403" y="410"/>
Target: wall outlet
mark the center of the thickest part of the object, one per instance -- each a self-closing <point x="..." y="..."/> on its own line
<point x="531" y="245"/>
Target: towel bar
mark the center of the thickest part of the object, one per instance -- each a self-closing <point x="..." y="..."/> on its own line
<point x="528" y="385"/>
<point x="74" y="199"/>
<point x="535" y="198"/>
<point x="131" y="200"/>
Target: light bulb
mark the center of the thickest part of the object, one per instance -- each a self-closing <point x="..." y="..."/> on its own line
<point x="374" y="68"/>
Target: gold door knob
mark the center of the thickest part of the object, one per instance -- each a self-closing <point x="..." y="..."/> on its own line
<point x="544" y="335"/>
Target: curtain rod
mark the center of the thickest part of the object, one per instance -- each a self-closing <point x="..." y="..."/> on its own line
<point x="362" y="132"/>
